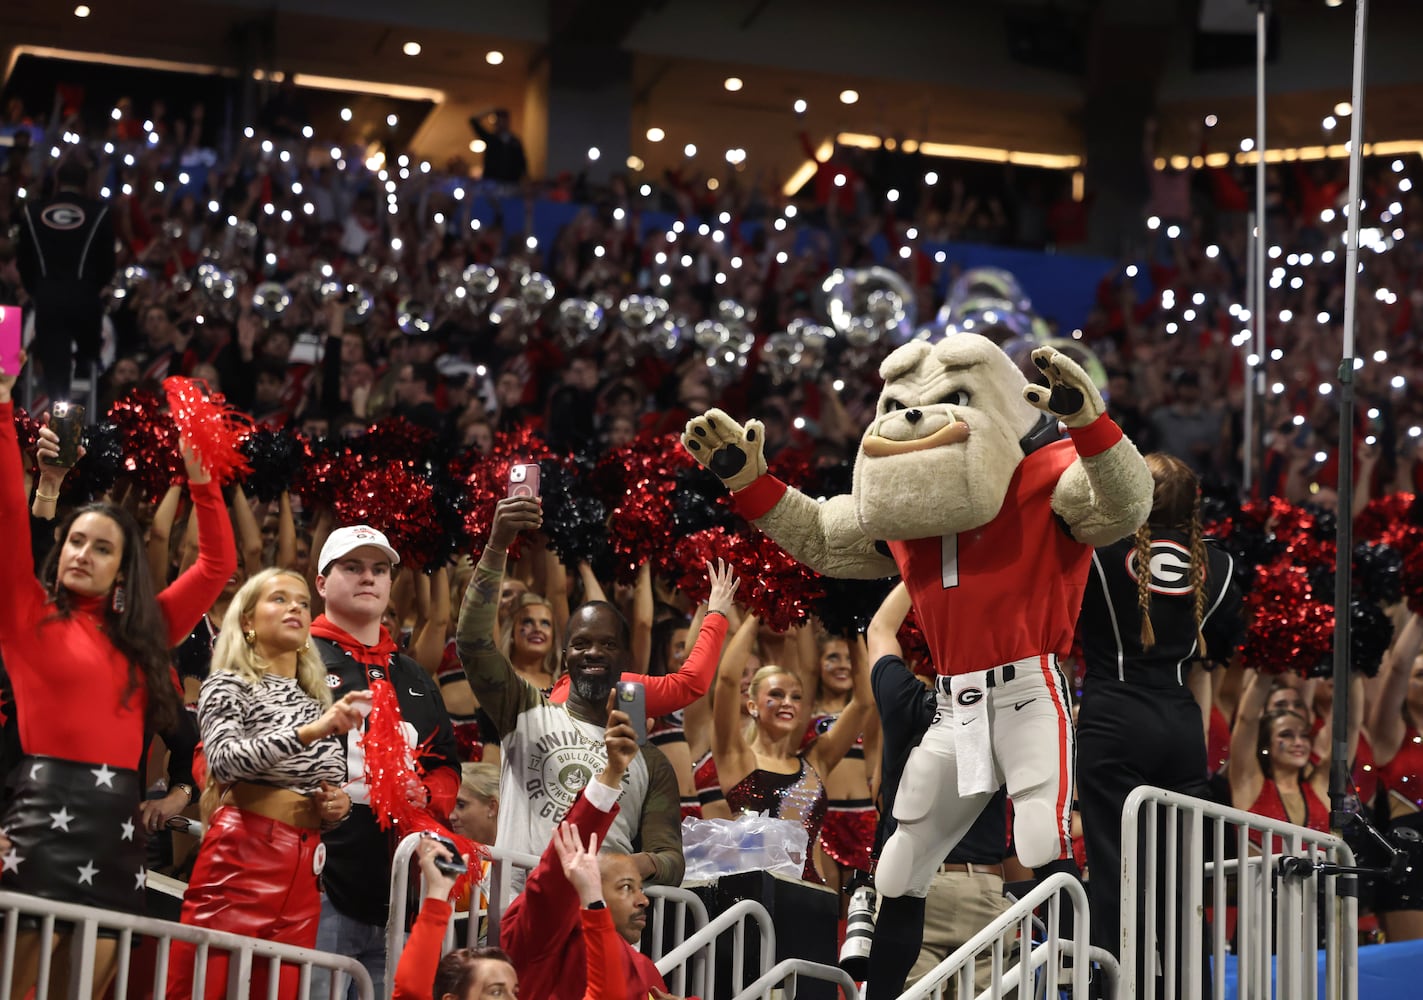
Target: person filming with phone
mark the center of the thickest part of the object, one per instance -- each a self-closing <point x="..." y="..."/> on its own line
<point x="573" y="933"/>
<point x="551" y="751"/>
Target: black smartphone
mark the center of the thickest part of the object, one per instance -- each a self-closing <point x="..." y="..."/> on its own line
<point x="632" y="701"/>
<point x="453" y="866"/>
<point x="67" y="421"/>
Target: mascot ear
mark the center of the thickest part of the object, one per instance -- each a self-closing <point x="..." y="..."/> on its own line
<point x="1044" y="432"/>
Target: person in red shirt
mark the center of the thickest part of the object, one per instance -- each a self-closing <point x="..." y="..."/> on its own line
<point x="92" y="623"/>
<point x="542" y="930"/>
<point x="547" y="937"/>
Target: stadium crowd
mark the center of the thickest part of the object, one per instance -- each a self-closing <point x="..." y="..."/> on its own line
<point x="323" y="287"/>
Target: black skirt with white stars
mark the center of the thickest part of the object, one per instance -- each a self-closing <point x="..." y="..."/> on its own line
<point x="75" y="834"/>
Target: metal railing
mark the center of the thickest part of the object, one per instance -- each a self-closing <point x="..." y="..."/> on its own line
<point x="82" y="931"/>
<point x="701" y="947"/>
<point x="1016" y="963"/>
<point x="671" y="910"/>
<point x="786" y="974"/>
<point x="1279" y="900"/>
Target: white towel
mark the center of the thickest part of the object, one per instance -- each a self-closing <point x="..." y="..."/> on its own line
<point x="973" y="745"/>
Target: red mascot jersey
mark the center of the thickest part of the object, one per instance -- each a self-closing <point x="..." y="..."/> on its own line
<point x="1002" y="592"/>
<point x="1007" y="590"/>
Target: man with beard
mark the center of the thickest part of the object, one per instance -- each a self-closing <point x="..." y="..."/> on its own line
<point x="551" y="751"/>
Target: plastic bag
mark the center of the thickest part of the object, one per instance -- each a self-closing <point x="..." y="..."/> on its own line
<point x="750" y="842"/>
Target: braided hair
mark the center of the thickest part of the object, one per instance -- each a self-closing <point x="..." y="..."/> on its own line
<point x="1176" y="503"/>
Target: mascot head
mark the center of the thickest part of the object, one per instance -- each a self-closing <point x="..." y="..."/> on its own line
<point x="945" y="441"/>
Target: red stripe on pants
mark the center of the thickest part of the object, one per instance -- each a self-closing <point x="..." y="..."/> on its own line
<point x="1064" y="786"/>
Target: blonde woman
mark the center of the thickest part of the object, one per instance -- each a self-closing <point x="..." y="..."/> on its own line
<point x="757" y="771"/>
<point x="268" y="724"/>
<point x="530" y="641"/>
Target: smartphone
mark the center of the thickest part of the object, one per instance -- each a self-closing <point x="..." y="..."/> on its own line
<point x="454" y="866"/>
<point x="67" y="421"/>
<point x="524" y="481"/>
<point x="12" y="325"/>
<point x="632" y="701"/>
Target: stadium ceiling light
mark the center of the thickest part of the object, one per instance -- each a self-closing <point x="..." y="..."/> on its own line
<point x="494" y="57"/>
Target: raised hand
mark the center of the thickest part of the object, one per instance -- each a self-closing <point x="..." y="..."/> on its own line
<point x="723" y="587"/>
<point x="438" y="884"/>
<point x="620" y="744"/>
<point x="1070" y="395"/>
<point x="511" y="516"/>
<point x="734" y="453"/>
<point x="193" y="462"/>
<point x="580" y="865"/>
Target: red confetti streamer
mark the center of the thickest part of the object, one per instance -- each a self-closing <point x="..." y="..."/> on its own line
<point x="214" y="430"/>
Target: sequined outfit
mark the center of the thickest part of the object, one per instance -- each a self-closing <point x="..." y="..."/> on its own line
<point x="848" y="833"/>
<point x="798" y="797"/>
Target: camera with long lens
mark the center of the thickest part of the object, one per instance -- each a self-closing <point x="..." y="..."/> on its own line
<point x="859" y="929"/>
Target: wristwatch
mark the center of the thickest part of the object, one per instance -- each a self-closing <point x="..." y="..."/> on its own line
<point x="187" y="790"/>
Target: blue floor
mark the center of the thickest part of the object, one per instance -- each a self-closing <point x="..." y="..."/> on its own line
<point x="1386" y="972"/>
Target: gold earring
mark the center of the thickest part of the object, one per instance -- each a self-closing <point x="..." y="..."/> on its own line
<point x="251" y="636"/>
<point x="305" y="646"/>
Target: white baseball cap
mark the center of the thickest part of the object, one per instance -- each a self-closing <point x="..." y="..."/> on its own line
<point x="344" y="541"/>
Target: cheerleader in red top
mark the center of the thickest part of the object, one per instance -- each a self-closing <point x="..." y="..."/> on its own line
<point x="1270" y="770"/>
<point x="848" y="834"/>
<point x="759" y="772"/>
<point x="1396" y="723"/>
<point x="91" y="624"/>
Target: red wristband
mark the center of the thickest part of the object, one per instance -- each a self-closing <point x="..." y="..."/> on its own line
<point x="756" y="500"/>
<point x="1096" y="437"/>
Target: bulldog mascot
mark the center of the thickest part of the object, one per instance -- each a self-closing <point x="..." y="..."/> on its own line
<point x="964" y="486"/>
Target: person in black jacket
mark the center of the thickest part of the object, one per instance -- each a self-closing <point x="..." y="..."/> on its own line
<point x="66" y="257"/>
<point x="1156" y="606"/>
<point x="504" y="160"/>
<point x="354" y="577"/>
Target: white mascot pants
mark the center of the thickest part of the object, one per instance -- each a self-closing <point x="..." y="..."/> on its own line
<point x="1011" y="725"/>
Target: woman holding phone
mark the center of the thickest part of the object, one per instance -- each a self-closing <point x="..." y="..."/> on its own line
<point x="274" y="774"/>
<point x="93" y="622"/>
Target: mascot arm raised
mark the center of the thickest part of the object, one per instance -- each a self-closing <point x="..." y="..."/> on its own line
<point x="824" y="536"/>
<point x="1106" y="494"/>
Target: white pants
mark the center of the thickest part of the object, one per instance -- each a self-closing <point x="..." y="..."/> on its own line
<point x="1030" y="737"/>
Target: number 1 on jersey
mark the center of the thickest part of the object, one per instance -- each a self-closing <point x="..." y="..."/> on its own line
<point x="949" y="560"/>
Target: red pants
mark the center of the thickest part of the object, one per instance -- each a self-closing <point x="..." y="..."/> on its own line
<point x="254" y="876"/>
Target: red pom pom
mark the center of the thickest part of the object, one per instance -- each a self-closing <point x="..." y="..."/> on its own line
<point x="390" y="497"/>
<point x="1386" y="520"/>
<point x="774" y="587"/>
<point x="641" y="525"/>
<point x="149" y="441"/>
<point x="211" y="428"/>
<point x="395" y="778"/>
<point x="1290" y="630"/>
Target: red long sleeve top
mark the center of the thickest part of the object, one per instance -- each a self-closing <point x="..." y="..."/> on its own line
<point x="668" y="693"/>
<point x="415" y="975"/>
<point x="69" y="680"/>
<point x="545" y="936"/>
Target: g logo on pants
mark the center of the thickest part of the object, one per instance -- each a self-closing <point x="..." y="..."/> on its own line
<point x="969" y="696"/>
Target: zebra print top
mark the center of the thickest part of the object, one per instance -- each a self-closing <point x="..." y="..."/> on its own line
<point x="249" y="734"/>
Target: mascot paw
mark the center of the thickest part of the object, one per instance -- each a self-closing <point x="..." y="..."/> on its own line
<point x="1070" y="394"/>
<point x="735" y="454"/>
